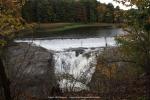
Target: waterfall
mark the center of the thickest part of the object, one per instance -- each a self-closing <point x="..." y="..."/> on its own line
<point x="74" y="69"/>
<point x="75" y="59"/>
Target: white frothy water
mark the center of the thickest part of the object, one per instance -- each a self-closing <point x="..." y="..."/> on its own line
<point x="79" y="66"/>
<point x="62" y="44"/>
<point x="69" y="85"/>
<point x="76" y="68"/>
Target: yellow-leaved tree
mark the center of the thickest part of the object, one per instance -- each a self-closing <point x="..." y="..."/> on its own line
<point x="10" y="23"/>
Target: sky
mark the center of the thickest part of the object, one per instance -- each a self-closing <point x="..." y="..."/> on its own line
<point x="115" y="4"/>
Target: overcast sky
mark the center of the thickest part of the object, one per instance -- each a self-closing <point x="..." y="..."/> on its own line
<point x="115" y="4"/>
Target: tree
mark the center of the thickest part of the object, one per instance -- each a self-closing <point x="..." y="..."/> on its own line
<point x="80" y="13"/>
<point x="60" y="11"/>
<point x="117" y="14"/>
<point x="136" y="44"/>
<point x="69" y="11"/>
<point x="10" y="23"/>
<point x="101" y="10"/>
<point x="28" y="11"/>
<point x="138" y="37"/>
<point x="108" y="14"/>
<point x="37" y="11"/>
<point x="109" y="17"/>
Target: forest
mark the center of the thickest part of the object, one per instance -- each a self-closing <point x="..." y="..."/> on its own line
<point x="85" y="11"/>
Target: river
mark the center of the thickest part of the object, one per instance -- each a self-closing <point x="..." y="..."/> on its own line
<point x="75" y="53"/>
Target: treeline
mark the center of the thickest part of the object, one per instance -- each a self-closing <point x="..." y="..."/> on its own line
<point x="70" y="11"/>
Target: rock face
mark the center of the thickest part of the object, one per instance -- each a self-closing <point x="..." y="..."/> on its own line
<point x="31" y="71"/>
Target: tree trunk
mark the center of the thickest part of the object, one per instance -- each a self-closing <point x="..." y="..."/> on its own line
<point x="5" y="81"/>
<point x="148" y="85"/>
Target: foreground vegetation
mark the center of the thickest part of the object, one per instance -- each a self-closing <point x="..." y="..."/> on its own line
<point x="116" y="78"/>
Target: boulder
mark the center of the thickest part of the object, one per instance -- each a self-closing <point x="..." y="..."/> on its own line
<point x="31" y="71"/>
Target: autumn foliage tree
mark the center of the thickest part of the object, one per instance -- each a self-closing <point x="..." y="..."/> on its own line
<point x="136" y="44"/>
<point x="10" y="24"/>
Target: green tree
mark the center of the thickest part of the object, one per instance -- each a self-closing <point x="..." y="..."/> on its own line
<point x="68" y="11"/>
<point x="101" y="11"/>
<point x="60" y="11"/>
<point x="109" y="17"/>
<point x="38" y="11"/>
<point x="118" y="17"/>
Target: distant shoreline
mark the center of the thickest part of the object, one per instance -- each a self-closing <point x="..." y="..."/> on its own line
<point x="54" y="28"/>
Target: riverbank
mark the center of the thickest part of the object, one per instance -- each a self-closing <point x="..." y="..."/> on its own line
<point x="48" y="29"/>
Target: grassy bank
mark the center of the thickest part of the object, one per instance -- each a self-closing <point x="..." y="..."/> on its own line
<point x="54" y="27"/>
<point x="48" y="29"/>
